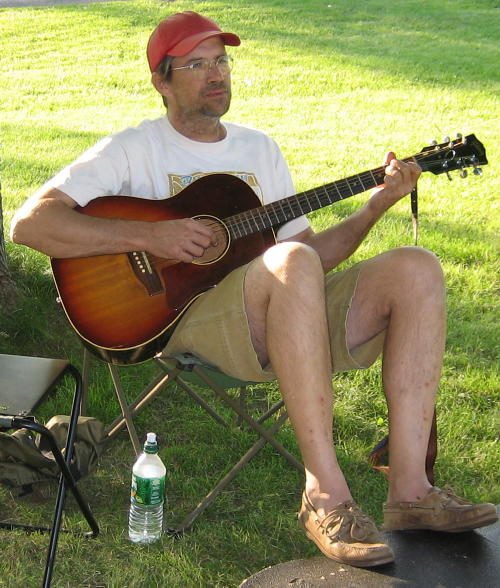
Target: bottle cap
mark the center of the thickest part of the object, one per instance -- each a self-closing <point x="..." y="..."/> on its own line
<point x="151" y="446"/>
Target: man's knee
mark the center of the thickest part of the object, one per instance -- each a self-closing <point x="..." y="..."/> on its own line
<point x="291" y="256"/>
<point x="287" y="266"/>
<point x="417" y="264"/>
<point x="398" y="276"/>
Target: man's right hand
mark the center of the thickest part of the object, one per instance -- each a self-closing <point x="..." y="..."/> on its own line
<point x="181" y="239"/>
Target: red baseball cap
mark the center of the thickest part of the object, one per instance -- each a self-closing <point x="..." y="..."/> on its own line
<point x="180" y="33"/>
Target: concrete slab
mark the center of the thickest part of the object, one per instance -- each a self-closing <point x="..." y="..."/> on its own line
<point x="423" y="559"/>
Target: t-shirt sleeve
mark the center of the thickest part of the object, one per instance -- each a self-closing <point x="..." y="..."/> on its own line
<point x="102" y="170"/>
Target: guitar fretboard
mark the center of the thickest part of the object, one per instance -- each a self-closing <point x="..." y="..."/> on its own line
<point x="284" y="210"/>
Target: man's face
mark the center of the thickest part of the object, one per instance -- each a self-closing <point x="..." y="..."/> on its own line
<point x="205" y="94"/>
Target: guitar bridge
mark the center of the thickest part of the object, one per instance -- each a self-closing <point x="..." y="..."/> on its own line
<point x="143" y="271"/>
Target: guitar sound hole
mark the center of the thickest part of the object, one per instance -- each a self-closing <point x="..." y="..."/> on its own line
<point x="214" y="253"/>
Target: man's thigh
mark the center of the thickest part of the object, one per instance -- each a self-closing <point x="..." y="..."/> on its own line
<point x="215" y="328"/>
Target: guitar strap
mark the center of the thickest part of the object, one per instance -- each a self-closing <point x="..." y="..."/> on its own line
<point x="414" y="213"/>
<point x="380" y="452"/>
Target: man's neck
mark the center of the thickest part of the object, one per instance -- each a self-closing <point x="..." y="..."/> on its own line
<point x="206" y="130"/>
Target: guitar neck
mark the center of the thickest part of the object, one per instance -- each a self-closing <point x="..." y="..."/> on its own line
<point x="281" y="211"/>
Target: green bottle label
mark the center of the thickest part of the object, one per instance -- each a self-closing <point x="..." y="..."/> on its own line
<point x="147" y="491"/>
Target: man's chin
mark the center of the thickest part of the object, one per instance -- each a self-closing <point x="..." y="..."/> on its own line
<point x="216" y="109"/>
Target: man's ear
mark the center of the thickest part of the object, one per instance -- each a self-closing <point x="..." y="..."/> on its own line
<point x="160" y="83"/>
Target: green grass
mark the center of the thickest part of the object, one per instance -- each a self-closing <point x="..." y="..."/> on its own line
<point x="337" y="84"/>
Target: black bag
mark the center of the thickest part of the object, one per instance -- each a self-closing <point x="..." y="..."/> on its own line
<point x="26" y="458"/>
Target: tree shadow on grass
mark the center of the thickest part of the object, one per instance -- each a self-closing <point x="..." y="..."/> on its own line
<point x="447" y="43"/>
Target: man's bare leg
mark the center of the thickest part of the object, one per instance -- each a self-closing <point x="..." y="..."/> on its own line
<point x="403" y="291"/>
<point x="285" y="304"/>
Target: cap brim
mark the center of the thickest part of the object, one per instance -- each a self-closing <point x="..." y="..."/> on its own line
<point x="187" y="45"/>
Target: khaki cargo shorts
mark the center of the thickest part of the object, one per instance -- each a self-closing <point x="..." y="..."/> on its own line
<point x="215" y="328"/>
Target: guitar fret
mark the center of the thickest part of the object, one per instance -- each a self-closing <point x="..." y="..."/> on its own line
<point x="338" y="191"/>
<point x="341" y="190"/>
<point x="237" y="227"/>
<point x="268" y="216"/>
<point x="259" y="221"/>
<point x="280" y="203"/>
<point x="247" y="220"/>
<point x="299" y="209"/>
<point x="325" y="198"/>
<point x="361" y="182"/>
<point x="275" y="211"/>
<point x="305" y="200"/>
<point x="317" y="198"/>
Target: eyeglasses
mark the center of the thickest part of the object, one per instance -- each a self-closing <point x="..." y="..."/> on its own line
<point x="201" y="67"/>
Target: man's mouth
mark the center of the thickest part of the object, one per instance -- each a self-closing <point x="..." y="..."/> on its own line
<point x="215" y="92"/>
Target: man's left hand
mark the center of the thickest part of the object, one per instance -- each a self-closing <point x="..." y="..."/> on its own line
<point x="399" y="180"/>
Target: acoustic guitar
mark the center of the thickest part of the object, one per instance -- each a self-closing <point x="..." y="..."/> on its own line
<point x="125" y="306"/>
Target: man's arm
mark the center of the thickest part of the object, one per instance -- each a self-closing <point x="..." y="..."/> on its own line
<point x="337" y="243"/>
<point x="49" y="223"/>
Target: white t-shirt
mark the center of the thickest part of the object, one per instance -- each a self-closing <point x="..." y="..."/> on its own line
<point x="154" y="161"/>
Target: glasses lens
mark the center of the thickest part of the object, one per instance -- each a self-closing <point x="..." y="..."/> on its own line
<point x="224" y="63"/>
<point x="203" y="66"/>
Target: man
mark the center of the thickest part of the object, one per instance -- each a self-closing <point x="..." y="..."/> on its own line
<point x="265" y="317"/>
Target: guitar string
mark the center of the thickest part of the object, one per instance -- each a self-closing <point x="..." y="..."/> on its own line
<point x="297" y="203"/>
<point x="343" y="187"/>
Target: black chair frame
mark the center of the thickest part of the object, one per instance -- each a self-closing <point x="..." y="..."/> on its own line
<point x="66" y="479"/>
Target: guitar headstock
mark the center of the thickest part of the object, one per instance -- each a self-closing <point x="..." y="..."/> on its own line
<point x="459" y="154"/>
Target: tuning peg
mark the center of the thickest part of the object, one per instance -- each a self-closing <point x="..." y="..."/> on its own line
<point x="446" y="140"/>
<point x="477" y="171"/>
<point x="459" y="136"/>
<point x="433" y="143"/>
<point x="463" y="173"/>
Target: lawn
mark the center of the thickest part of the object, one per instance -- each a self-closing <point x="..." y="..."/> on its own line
<point x="337" y="84"/>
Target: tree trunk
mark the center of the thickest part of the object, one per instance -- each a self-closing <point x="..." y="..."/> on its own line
<point x="7" y="284"/>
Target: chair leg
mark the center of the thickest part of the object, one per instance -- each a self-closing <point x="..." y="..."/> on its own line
<point x="65" y="479"/>
<point x="127" y="415"/>
<point x="212" y="495"/>
<point x="175" y="372"/>
<point x="85" y="380"/>
<point x="248" y="419"/>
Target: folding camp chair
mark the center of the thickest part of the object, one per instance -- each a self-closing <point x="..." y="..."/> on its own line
<point x="24" y="383"/>
<point x="188" y="372"/>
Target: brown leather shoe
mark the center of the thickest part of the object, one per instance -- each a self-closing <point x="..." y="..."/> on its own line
<point x="440" y="510"/>
<point x="346" y="535"/>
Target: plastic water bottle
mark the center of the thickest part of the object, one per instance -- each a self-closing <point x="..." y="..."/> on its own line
<point x="147" y="495"/>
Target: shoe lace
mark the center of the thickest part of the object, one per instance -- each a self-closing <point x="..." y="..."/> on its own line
<point x="448" y="493"/>
<point x="347" y="521"/>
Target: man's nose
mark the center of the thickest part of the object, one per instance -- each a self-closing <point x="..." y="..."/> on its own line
<point x="213" y="72"/>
